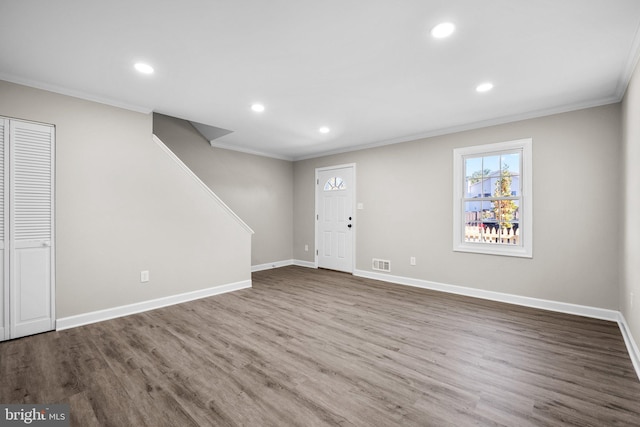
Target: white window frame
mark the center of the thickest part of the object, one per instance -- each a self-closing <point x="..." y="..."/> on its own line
<point x="525" y="247"/>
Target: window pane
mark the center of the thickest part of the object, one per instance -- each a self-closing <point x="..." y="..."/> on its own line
<point x="334" y="183"/>
<point x="473" y="213"/>
<point x="505" y="184"/>
<point x="473" y="188"/>
<point x="509" y="224"/>
<point x="512" y="162"/>
<point x="515" y="186"/>
<point x="511" y="174"/>
<point x="491" y="165"/>
<point x="473" y="221"/>
<point x="488" y="214"/>
<point x="473" y="177"/>
<point x="505" y="212"/>
<point x="472" y="165"/>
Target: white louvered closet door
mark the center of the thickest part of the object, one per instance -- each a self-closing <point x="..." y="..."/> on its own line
<point x="4" y="233"/>
<point x="31" y="230"/>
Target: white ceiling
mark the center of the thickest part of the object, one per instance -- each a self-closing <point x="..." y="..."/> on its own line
<point x="368" y="69"/>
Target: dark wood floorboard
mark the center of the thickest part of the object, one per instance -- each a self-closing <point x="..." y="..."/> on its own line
<point x="317" y="348"/>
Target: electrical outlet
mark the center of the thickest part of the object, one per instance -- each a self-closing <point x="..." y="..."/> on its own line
<point x="412" y="260"/>
<point x="144" y="276"/>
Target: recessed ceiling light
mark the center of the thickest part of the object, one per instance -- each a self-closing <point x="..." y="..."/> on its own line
<point x="443" y="30"/>
<point x="258" y="108"/>
<point x="324" y="129"/>
<point x="144" y="68"/>
<point x="484" y="87"/>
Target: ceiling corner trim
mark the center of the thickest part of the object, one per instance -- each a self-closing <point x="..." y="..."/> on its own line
<point x="232" y="147"/>
<point x="75" y="94"/>
<point x="632" y="63"/>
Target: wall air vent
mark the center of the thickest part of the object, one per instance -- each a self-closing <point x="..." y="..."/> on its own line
<point x="381" y="264"/>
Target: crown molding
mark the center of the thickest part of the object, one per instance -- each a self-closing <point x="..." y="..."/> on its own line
<point x="74" y="93"/>
<point x="471" y="126"/>
<point x="249" y="151"/>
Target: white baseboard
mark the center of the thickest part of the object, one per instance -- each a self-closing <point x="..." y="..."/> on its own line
<point x="301" y="263"/>
<point x="562" y="307"/>
<point x="270" y="265"/>
<point x="277" y="264"/>
<point x="125" y="310"/>
<point x="632" y="347"/>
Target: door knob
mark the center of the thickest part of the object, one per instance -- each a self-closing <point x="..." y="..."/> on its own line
<point x="349" y="218"/>
<point x="349" y="225"/>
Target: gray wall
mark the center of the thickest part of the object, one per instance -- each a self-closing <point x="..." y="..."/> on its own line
<point x="406" y="190"/>
<point x="630" y="283"/>
<point x="259" y="189"/>
<point x="123" y="206"/>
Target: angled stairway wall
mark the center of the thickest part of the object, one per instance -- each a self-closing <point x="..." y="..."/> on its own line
<point x="259" y="189"/>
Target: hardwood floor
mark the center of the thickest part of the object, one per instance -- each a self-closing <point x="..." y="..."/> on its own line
<point x="313" y="348"/>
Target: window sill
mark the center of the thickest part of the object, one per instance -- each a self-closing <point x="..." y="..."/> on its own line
<point x="486" y="249"/>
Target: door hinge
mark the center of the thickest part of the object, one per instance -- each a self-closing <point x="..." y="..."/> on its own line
<point x="316" y="252"/>
<point x="317" y="181"/>
<point x="317" y="217"/>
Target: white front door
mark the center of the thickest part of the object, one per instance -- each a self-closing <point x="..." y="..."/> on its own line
<point x="335" y="190"/>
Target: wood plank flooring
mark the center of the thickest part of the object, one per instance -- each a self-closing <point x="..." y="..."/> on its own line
<point x="316" y="348"/>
